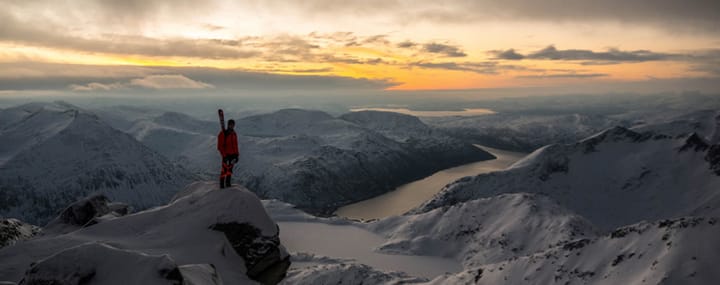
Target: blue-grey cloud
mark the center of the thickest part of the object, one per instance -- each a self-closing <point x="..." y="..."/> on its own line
<point x="89" y="78"/>
<point x="510" y="54"/>
<point x="610" y="56"/>
<point x="444" y="49"/>
<point x="484" y="67"/>
<point x="563" y="75"/>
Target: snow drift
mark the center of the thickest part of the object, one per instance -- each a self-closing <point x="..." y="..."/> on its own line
<point x="202" y="234"/>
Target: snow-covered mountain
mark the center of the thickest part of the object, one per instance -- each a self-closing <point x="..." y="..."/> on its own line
<point x="678" y="251"/>
<point x="319" y="162"/>
<point x="513" y="237"/>
<point x="182" y="139"/>
<point x="484" y="231"/>
<point x="705" y="123"/>
<point x="524" y="131"/>
<point x="310" y="158"/>
<point x="203" y="236"/>
<point x="53" y="154"/>
<point x="614" y="178"/>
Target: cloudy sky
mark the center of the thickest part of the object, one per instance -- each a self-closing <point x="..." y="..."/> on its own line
<point x="78" y="46"/>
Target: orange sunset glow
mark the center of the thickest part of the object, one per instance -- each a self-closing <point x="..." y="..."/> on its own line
<point x="400" y="45"/>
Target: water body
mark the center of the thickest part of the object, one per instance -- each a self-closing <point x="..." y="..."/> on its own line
<point x="351" y="242"/>
<point x="466" y="112"/>
<point x="413" y="194"/>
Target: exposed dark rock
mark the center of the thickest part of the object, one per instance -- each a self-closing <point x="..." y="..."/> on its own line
<point x="619" y="134"/>
<point x="262" y="254"/>
<point x="12" y="231"/>
<point x="695" y="143"/>
<point x="551" y="166"/>
<point x="576" y="244"/>
<point x="84" y="213"/>
<point x="713" y="157"/>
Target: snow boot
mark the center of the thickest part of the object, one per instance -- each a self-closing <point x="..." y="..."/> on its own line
<point x="227" y="181"/>
<point x="222" y="182"/>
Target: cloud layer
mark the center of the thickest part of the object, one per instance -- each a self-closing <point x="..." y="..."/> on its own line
<point x="611" y="55"/>
<point x="159" y="81"/>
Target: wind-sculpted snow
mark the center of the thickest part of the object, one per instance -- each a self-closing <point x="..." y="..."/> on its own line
<point x="99" y="263"/>
<point x="227" y="229"/>
<point x="484" y="231"/>
<point x="56" y="153"/>
<point x="614" y="178"/>
<point x="679" y="251"/>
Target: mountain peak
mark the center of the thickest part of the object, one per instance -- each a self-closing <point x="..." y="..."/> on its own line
<point x="617" y="134"/>
<point x="310" y="115"/>
<point x="694" y="142"/>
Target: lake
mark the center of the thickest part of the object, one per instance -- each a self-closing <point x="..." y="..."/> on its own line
<point x="466" y="112"/>
<point x="413" y="194"/>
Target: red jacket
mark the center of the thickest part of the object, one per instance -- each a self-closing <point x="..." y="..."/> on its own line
<point x="227" y="143"/>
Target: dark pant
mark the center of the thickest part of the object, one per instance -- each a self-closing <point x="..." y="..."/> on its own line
<point x="228" y="163"/>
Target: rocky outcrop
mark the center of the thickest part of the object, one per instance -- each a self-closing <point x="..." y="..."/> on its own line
<point x="13" y="231"/>
<point x="205" y="235"/>
<point x="263" y="255"/>
<point x="86" y="212"/>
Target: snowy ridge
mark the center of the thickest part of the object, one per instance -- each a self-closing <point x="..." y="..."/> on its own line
<point x="614" y="178"/>
<point x="679" y="251"/>
<point x="184" y="140"/>
<point x="524" y="131"/>
<point x="485" y="230"/>
<point x="396" y="126"/>
<point x="203" y="232"/>
<point x="60" y="153"/>
<point x="705" y="123"/>
<point x="101" y="263"/>
<point x="347" y="273"/>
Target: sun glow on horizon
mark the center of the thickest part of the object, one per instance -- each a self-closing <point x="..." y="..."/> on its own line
<point x="419" y="49"/>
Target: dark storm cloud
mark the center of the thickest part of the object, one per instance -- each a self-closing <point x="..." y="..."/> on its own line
<point x="444" y="49"/>
<point x="90" y="78"/>
<point x="611" y="56"/>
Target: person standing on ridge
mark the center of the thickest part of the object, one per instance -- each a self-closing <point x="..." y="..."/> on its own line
<point x="228" y="146"/>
